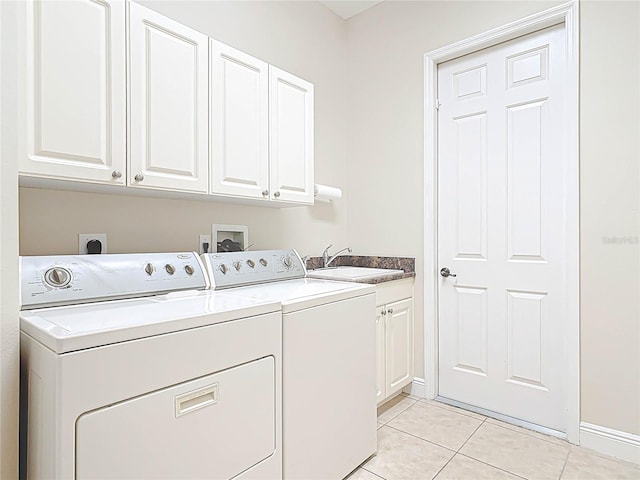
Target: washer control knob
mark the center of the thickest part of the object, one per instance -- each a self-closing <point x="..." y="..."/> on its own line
<point x="189" y="269"/>
<point x="224" y="269"/>
<point x="287" y="262"/>
<point x="170" y="269"/>
<point x="57" y="277"/>
<point x="251" y="263"/>
<point x="149" y="268"/>
<point x="263" y="262"/>
<point x="237" y="265"/>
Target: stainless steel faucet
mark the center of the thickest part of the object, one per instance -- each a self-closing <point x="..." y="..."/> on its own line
<point x="328" y="259"/>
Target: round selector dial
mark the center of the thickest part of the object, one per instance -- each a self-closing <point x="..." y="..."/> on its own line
<point x="263" y="262"/>
<point x="189" y="269"/>
<point x="57" y="277"/>
<point x="251" y="263"/>
<point x="237" y="264"/>
<point x="224" y="269"/>
<point x="149" y="268"/>
<point x="287" y="262"/>
<point x="170" y="269"/>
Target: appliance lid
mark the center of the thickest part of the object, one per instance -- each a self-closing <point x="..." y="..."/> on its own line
<point x="71" y="328"/>
<point x="304" y="292"/>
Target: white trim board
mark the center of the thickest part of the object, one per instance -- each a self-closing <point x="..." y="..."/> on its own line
<point x="416" y="387"/>
<point x="625" y="446"/>
<point x="566" y="14"/>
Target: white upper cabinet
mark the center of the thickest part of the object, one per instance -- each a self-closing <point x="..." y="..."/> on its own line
<point x="291" y="137"/>
<point x="168" y="65"/>
<point x="239" y="123"/>
<point x="75" y="103"/>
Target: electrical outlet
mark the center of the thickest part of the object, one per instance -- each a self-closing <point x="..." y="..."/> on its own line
<point x="84" y="238"/>
<point x="205" y="239"/>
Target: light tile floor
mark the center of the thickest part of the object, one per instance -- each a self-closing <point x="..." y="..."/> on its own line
<point x="422" y="440"/>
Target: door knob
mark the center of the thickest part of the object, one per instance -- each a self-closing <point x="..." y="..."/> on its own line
<point x="139" y="177"/>
<point x="445" y="272"/>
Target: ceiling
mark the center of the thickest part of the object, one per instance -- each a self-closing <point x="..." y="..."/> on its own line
<point x="347" y="9"/>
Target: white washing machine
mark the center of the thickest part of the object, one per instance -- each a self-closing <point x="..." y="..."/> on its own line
<point x="329" y="361"/>
<point x="130" y="368"/>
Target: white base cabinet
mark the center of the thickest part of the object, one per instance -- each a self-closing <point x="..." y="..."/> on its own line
<point x="394" y="338"/>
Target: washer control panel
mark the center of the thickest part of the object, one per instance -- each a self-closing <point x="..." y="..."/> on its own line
<point x="234" y="269"/>
<point x="70" y="279"/>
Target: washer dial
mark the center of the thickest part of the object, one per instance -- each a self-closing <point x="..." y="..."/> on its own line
<point x="57" y="277"/>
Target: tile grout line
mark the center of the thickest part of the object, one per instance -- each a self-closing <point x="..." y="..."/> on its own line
<point x="373" y="473"/>
<point x="449" y="408"/>
<point x="400" y="412"/>
<point x="472" y="434"/>
<point x="444" y="466"/>
<point x="529" y="433"/>
<point x="491" y="465"/>
<point x="564" y="465"/>
<point x="420" y="438"/>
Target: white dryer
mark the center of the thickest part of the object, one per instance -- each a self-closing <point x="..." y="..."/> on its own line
<point x="131" y="369"/>
<point x="329" y="359"/>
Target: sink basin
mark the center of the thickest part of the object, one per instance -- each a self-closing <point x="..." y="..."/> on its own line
<point x="351" y="273"/>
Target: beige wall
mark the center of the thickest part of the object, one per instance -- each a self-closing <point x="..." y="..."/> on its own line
<point x="610" y="210"/>
<point x="9" y="356"/>
<point x="304" y="38"/>
<point x="373" y="90"/>
<point x="385" y="151"/>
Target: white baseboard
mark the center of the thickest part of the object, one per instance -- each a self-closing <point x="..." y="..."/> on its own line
<point x="625" y="446"/>
<point x="415" y="388"/>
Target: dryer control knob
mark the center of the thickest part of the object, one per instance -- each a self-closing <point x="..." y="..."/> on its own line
<point x="224" y="269"/>
<point x="57" y="277"/>
<point x="189" y="269"/>
<point x="251" y="263"/>
<point x="237" y="265"/>
<point x="287" y="262"/>
<point x="263" y="262"/>
<point x="170" y="269"/>
<point x="149" y="268"/>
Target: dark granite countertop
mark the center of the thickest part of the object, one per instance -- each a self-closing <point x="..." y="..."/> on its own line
<point x="406" y="264"/>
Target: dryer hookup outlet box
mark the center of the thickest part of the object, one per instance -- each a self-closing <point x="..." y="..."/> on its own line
<point x="92" y="243"/>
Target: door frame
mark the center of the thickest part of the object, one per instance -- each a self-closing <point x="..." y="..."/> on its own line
<point x="566" y="14"/>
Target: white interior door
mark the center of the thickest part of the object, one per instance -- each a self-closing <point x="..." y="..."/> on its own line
<point x="502" y="183"/>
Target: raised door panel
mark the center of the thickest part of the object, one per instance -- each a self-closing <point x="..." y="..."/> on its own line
<point x="168" y="110"/>
<point x="380" y="353"/>
<point x="239" y="122"/>
<point x="74" y="91"/>
<point x="399" y="345"/>
<point x="291" y="137"/>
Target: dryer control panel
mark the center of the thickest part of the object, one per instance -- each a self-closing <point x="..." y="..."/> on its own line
<point x="70" y="279"/>
<point x="235" y="269"/>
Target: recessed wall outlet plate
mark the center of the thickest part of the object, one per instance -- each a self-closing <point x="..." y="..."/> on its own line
<point x="85" y="238"/>
<point x="202" y="240"/>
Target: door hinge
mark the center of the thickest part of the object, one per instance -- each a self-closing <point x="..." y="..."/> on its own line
<point x="438" y="104"/>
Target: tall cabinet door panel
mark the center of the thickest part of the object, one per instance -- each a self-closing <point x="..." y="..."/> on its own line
<point x="169" y="100"/>
<point x="239" y="123"/>
<point x="291" y="134"/>
<point x="381" y="313"/>
<point x="75" y="111"/>
<point x="399" y="347"/>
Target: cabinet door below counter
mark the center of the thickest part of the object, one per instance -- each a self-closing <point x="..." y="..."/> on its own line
<point x="168" y="111"/>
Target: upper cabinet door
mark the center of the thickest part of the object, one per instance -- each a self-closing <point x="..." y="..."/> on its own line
<point x="239" y="123"/>
<point x="168" y="65"/>
<point x="75" y="111"/>
<point x="291" y="137"/>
